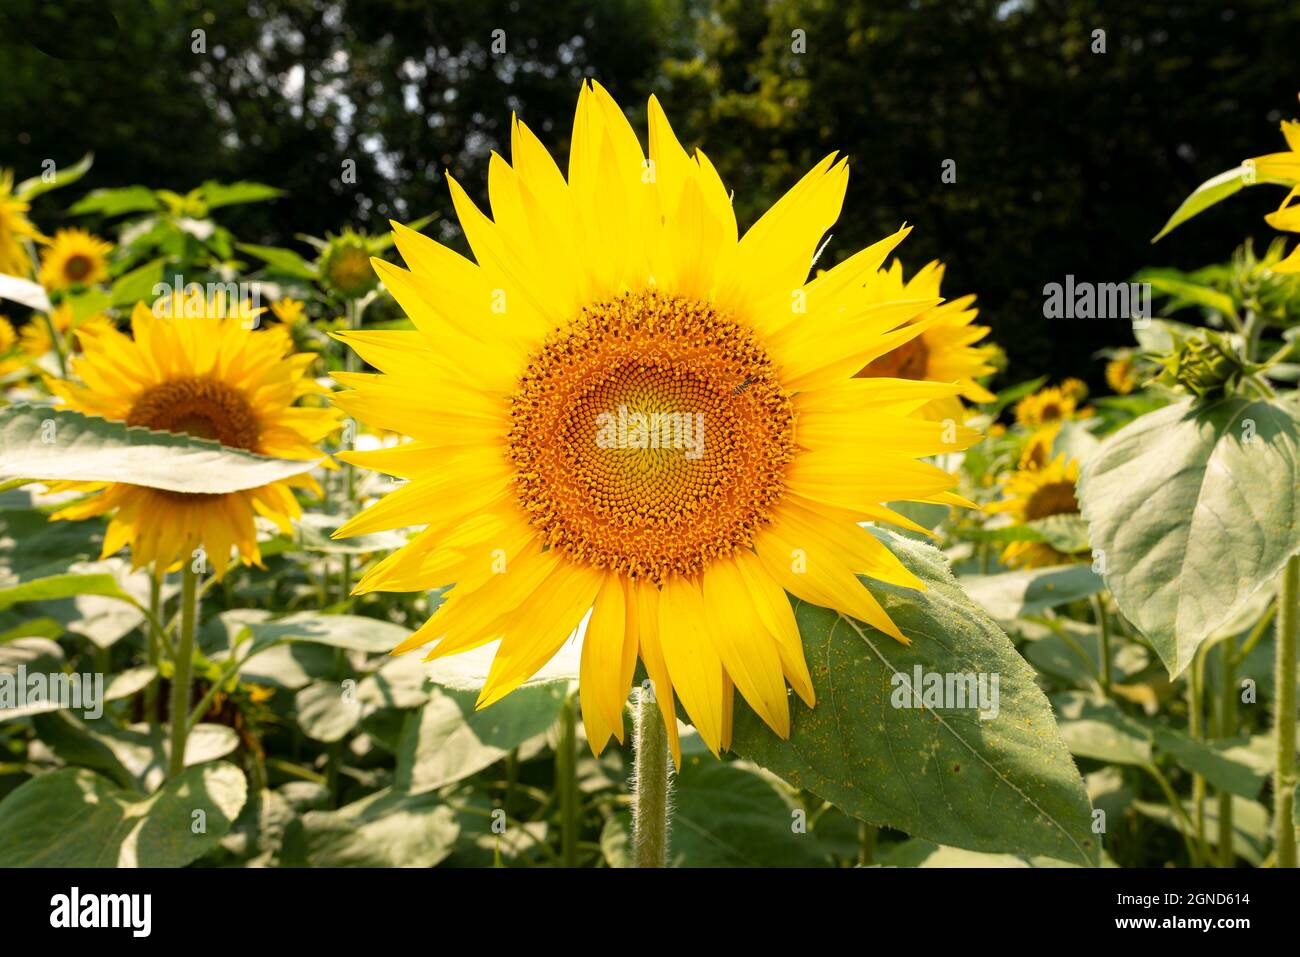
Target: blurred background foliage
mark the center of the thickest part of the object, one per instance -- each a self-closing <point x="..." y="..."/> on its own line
<point x="1066" y="159"/>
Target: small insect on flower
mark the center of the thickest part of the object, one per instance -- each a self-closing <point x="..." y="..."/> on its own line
<point x="545" y="388"/>
<point x="74" y="258"/>
<point x="945" y="351"/>
<point x="203" y="372"/>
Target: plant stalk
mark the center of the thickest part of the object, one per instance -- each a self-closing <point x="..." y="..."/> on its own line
<point x="649" y="784"/>
<point x="1284" y="722"/>
<point x="1227" y="728"/>
<point x="183" y="671"/>
<point x="566" y="772"/>
<point x="1103" y="641"/>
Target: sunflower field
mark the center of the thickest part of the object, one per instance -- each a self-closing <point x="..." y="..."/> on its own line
<point x="611" y="522"/>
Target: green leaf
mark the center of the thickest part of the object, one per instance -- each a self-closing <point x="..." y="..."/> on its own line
<point x="448" y="740"/>
<point x="1066" y="533"/>
<point x="1095" y="728"/>
<point x="135" y="756"/>
<point x="1249" y="824"/>
<point x="215" y="195"/>
<point x="354" y="632"/>
<point x="1006" y="784"/>
<point x="1215" y="763"/>
<point x="29" y="189"/>
<point x="915" y="853"/>
<point x="115" y="202"/>
<point x="75" y="818"/>
<point x="725" y="815"/>
<point x="1013" y="394"/>
<point x="1193" y="508"/>
<point x="138" y="284"/>
<point x="281" y="260"/>
<point x="1213" y="190"/>
<point x="1195" y="294"/>
<point x="62" y="445"/>
<point x="63" y="586"/>
<point x="385" y="829"/>
<point x="324" y="712"/>
<point x="1010" y="595"/>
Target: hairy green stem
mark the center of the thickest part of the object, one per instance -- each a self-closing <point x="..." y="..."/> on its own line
<point x="182" y="673"/>
<point x="1284" y="773"/>
<point x="649" y="784"/>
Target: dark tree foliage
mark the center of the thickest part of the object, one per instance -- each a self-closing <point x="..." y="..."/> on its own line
<point x="1067" y="160"/>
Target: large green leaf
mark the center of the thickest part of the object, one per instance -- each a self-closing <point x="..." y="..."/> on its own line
<point x="1193" y="508"/>
<point x="47" y="443"/>
<point x="1006" y="784"/>
<point x="448" y="740"/>
<point x="135" y="756"/>
<point x="75" y="818"/>
<point x="385" y="829"/>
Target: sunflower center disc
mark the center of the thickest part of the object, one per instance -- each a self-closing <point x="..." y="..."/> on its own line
<point x="203" y="408"/>
<point x="77" y="268"/>
<point x="650" y="436"/>
<point x="1054" y="498"/>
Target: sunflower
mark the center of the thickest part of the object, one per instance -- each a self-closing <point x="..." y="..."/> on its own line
<point x="1053" y="404"/>
<point x="944" y="351"/>
<point x="8" y="343"/>
<point x="1033" y="493"/>
<point x="210" y="376"/>
<point x="15" y="227"/>
<point x="74" y="258"/>
<point x="604" y="413"/>
<point x="1284" y="168"/>
<point x="35" y="340"/>
<point x="289" y="310"/>
<point x="1121" y="375"/>
<point x="1037" y="450"/>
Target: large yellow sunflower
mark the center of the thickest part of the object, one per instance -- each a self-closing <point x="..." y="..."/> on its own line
<point x="211" y="376"/>
<point x="1034" y="492"/>
<point x="945" y="351"/>
<point x="15" y="227"/>
<point x="624" y="409"/>
<point x="74" y="258"/>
